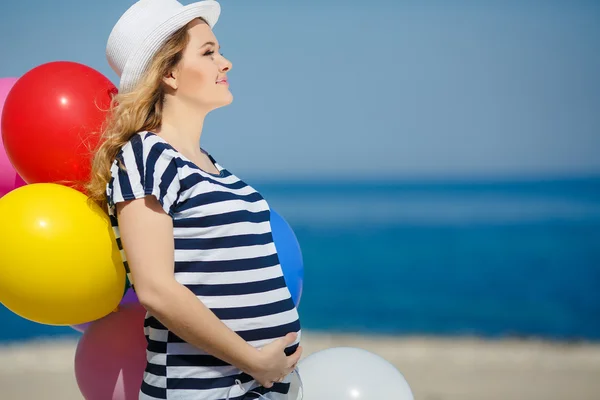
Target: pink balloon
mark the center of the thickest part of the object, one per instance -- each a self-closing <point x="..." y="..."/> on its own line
<point x="19" y="181"/>
<point x="111" y="356"/>
<point x="128" y="298"/>
<point x="9" y="178"/>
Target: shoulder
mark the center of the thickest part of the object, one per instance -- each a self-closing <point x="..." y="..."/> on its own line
<point x="144" y="147"/>
<point x="146" y="155"/>
<point x="145" y="165"/>
<point x="146" y="141"/>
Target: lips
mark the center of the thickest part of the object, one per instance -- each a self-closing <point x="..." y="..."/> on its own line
<point x="222" y="81"/>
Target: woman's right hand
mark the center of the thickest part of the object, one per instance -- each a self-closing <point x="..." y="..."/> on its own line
<point x="272" y="364"/>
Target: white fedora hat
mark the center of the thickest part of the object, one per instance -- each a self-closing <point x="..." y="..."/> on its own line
<point x="144" y="28"/>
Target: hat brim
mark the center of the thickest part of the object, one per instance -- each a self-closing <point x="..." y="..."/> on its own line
<point x="139" y="61"/>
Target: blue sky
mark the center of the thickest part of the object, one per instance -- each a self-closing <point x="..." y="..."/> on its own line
<point x="373" y="89"/>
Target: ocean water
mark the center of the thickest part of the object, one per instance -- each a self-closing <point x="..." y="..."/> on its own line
<point x="491" y="259"/>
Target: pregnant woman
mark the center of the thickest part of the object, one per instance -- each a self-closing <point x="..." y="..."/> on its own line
<point x="196" y="241"/>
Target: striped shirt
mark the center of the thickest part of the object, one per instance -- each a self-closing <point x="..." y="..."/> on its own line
<point x="224" y="254"/>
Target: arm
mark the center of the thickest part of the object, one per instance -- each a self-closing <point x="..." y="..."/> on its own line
<point x="147" y="236"/>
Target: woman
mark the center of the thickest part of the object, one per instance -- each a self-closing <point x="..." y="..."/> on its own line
<point x="197" y="241"/>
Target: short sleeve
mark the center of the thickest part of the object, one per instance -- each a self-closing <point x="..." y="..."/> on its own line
<point x="144" y="167"/>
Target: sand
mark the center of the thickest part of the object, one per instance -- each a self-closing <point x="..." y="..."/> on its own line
<point x="436" y="368"/>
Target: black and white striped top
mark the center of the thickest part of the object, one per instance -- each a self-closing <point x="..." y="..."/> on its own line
<point x="224" y="254"/>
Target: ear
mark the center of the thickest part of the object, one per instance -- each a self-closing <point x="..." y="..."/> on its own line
<point x="171" y="79"/>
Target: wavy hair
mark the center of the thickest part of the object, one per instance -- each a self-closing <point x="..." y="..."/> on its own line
<point x="132" y="112"/>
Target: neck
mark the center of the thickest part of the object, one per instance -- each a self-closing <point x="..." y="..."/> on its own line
<point x="182" y="125"/>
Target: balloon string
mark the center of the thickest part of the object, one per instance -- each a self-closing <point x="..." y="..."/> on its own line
<point x="239" y="383"/>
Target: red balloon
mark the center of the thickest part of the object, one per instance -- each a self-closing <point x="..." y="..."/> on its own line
<point x="111" y="356"/>
<point x="51" y="120"/>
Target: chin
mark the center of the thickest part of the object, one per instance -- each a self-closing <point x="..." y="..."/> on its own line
<point x="218" y="103"/>
<point x="227" y="100"/>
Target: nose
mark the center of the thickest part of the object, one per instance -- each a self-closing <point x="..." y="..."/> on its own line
<point x="225" y="65"/>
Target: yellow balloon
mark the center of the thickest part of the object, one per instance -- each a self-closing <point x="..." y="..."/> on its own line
<point x="59" y="262"/>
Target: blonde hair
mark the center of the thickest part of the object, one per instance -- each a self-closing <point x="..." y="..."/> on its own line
<point x="132" y="112"/>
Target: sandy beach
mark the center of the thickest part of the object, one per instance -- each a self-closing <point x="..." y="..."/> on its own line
<point x="436" y="368"/>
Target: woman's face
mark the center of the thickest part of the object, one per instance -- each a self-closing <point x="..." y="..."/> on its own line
<point x="200" y="77"/>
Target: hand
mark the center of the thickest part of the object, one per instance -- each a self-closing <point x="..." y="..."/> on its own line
<point x="272" y="365"/>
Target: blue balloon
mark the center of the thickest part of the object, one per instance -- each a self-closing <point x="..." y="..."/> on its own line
<point x="290" y="255"/>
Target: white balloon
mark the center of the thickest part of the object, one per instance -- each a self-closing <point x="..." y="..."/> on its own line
<point x="347" y="373"/>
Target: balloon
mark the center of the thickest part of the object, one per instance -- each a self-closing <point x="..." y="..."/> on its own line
<point x="346" y="373"/>
<point x="59" y="261"/>
<point x="289" y="253"/>
<point x="111" y="356"/>
<point x="82" y="327"/>
<point x="51" y="119"/>
<point x="9" y="179"/>
<point x="129" y="298"/>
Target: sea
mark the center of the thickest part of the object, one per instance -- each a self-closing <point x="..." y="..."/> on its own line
<point x="496" y="258"/>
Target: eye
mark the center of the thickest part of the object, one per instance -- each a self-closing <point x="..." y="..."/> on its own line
<point x="212" y="52"/>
